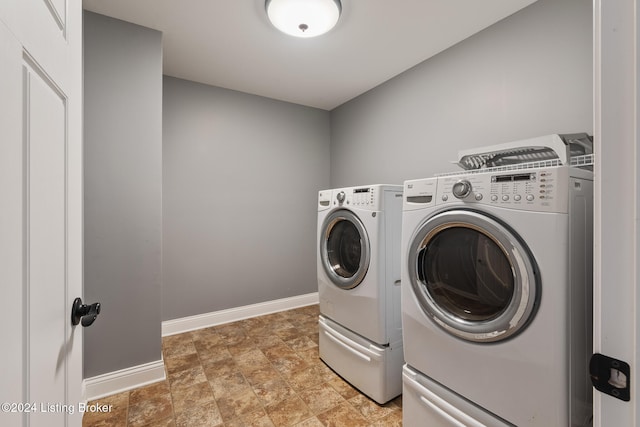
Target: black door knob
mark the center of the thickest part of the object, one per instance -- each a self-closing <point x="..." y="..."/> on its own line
<point x="84" y="313"/>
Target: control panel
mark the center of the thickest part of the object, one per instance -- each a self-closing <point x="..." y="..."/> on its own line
<point x="362" y="197"/>
<point x="533" y="189"/>
<point x="376" y="197"/>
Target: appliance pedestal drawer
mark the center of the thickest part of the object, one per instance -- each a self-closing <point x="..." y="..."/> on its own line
<point x="376" y="370"/>
<point x="427" y="403"/>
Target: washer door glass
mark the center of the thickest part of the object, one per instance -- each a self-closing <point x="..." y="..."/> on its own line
<point x="473" y="276"/>
<point x="344" y="249"/>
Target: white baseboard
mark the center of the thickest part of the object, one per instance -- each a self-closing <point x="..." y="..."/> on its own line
<point x="186" y="324"/>
<point x="123" y="380"/>
<point x="149" y="373"/>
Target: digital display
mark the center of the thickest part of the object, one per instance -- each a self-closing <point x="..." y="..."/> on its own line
<point x="516" y="177"/>
<point x="361" y="190"/>
<point x="522" y="177"/>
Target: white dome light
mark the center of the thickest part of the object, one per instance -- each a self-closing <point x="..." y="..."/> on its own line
<point x="303" y="18"/>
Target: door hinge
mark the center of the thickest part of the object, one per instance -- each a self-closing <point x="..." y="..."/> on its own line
<point x="610" y="376"/>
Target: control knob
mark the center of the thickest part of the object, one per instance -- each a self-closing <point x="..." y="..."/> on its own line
<point x="461" y="189"/>
<point x="341" y="196"/>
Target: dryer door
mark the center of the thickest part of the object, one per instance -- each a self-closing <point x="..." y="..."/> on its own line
<point x="473" y="276"/>
<point x="344" y="249"/>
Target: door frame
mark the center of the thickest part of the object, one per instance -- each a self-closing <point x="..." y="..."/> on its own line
<point x="617" y="202"/>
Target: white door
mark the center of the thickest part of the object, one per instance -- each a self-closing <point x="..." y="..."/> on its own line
<point x="617" y="202"/>
<point x="40" y="211"/>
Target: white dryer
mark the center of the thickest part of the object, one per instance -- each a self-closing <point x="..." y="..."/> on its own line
<point x="496" y="297"/>
<point x="359" y="231"/>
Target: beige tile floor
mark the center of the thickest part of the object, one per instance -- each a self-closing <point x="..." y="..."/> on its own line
<point x="263" y="371"/>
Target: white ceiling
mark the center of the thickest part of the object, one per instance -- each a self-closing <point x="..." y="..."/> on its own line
<point x="231" y="44"/>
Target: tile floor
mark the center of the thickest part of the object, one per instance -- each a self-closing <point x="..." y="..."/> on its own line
<point x="263" y="371"/>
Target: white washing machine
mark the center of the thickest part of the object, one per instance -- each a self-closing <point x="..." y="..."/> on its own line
<point x="359" y="231"/>
<point x="496" y="297"/>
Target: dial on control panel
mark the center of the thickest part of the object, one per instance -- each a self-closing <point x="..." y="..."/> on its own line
<point x="341" y="196"/>
<point x="461" y="189"/>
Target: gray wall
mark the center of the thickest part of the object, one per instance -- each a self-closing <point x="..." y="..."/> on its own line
<point x="123" y="188"/>
<point x="528" y="75"/>
<point x="240" y="178"/>
<point x="232" y="178"/>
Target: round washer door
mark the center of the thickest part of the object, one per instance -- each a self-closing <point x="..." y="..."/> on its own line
<point x="344" y="249"/>
<point x="473" y="276"/>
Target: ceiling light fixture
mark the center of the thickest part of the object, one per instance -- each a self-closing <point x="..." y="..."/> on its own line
<point x="303" y="18"/>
